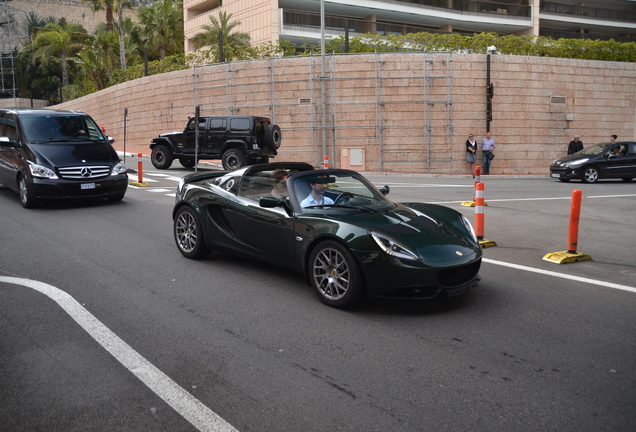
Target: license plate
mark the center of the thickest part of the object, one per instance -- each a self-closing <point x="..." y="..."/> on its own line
<point x="87" y="186"/>
<point x="555" y="175"/>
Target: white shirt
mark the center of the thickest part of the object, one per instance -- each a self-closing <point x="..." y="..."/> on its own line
<point x="310" y="201"/>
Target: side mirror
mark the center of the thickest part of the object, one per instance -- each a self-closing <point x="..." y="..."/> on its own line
<point x="110" y="139"/>
<point x="7" y="142"/>
<point x="385" y="190"/>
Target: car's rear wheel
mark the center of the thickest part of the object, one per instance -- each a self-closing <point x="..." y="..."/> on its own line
<point x="27" y="194"/>
<point x="590" y="174"/>
<point x="335" y="275"/>
<point x="273" y="137"/>
<point x="188" y="234"/>
<point x="187" y="162"/>
<point x="234" y="159"/>
<point x="161" y="157"/>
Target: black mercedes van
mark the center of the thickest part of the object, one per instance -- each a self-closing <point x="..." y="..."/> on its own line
<point x="52" y="154"/>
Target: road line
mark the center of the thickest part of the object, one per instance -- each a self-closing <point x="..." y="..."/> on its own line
<point x="562" y="276"/>
<point x="193" y="410"/>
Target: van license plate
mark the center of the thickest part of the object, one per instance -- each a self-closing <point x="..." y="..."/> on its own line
<point x="88" y="186"/>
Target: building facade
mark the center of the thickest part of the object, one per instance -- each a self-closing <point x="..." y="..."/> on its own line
<point x="299" y="21"/>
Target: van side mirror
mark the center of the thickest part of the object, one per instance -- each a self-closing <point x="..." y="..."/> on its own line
<point x="385" y="190"/>
<point x="7" y="142"/>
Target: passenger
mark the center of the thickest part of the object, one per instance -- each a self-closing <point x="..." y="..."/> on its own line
<point x="280" y="187"/>
<point x="317" y="195"/>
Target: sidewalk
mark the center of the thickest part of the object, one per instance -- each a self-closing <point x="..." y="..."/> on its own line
<point x="132" y="151"/>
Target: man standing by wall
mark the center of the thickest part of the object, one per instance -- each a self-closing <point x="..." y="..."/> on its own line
<point x="487" y="147"/>
<point x="575" y="145"/>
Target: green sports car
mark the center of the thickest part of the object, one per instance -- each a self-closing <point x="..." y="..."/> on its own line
<point x="333" y="226"/>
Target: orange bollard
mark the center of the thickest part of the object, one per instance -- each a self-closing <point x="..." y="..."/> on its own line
<point x="571" y="255"/>
<point x="140" y="168"/>
<point x="479" y="210"/>
<point x="477" y="174"/>
<point x="326" y="163"/>
<point x="575" y="213"/>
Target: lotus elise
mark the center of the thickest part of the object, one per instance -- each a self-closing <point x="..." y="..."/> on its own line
<point x="332" y="225"/>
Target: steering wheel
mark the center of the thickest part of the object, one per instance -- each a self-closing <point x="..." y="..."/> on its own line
<point x="345" y="196"/>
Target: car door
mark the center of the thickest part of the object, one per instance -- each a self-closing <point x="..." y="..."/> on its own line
<point x="266" y="232"/>
<point x="621" y="165"/>
<point x="191" y="135"/>
<point x="215" y="136"/>
<point x="628" y="161"/>
<point x="9" y="151"/>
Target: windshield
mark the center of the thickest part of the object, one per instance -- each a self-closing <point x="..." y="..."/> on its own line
<point x="596" y="149"/>
<point x="338" y="191"/>
<point x="57" y="128"/>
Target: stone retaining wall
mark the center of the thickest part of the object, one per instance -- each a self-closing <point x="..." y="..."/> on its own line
<point x="397" y="112"/>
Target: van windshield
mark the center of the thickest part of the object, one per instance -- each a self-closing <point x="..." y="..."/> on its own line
<point x="56" y="128"/>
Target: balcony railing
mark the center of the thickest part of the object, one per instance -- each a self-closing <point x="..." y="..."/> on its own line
<point x="561" y="34"/>
<point x="588" y="12"/>
<point x="476" y="7"/>
<point x="303" y="21"/>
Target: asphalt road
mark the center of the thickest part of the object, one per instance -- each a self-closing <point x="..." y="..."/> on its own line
<point x="105" y="326"/>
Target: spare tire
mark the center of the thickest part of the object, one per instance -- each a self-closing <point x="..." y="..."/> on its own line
<point x="273" y="137"/>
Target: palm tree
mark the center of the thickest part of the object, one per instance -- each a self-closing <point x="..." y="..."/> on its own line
<point x="104" y="5"/>
<point x="162" y="26"/>
<point x="233" y="43"/>
<point x="62" y="41"/>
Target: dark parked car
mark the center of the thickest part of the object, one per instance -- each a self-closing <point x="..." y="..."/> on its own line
<point x="333" y="226"/>
<point x="236" y="140"/>
<point x="48" y="154"/>
<point x="609" y="160"/>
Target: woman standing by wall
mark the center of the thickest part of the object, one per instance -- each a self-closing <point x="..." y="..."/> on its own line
<point x="471" y="149"/>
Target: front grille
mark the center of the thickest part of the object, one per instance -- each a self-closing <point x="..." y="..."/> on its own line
<point x="85" y="172"/>
<point x="458" y="275"/>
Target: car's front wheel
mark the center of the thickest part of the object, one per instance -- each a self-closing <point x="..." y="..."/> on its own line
<point x="161" y="157"/>
<point x="335" y="275"/>
<point x="27" y="194"/>
<point x="590" y="174"/>
<point x="188" y="234"/>
<point x="234" y="159"/>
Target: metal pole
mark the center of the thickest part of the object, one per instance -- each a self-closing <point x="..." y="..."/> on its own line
<point x="488" y="99"/>
<point x="323" y="91"/>
<point x="197" y="111"/>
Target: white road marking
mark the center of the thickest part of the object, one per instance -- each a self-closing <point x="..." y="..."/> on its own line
<point x="199" y="415"/>
<point x="562" y="276"/>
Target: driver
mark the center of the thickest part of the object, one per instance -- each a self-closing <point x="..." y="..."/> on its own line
<point x="317" y="195"/>
<point x="71" y="128"/>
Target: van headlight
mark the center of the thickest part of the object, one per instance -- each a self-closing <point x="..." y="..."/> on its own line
<point x="42" y="171"/>
<point x="120" y="168"/>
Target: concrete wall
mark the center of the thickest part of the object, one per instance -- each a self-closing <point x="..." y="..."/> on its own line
<point x="401" y="110"/>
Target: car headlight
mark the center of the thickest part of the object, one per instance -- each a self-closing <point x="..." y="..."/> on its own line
<point x="469" y="227"/>
<point x="42" y="171"/>
<point x="392" y="247"/>
<point x="120" y="168"/>
<point x="576" y="163"/>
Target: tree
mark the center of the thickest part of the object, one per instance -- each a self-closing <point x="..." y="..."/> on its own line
<point x="162" y="27"/>
<point x="56" y="40"/>
<point x="104" y="5"/>
<point x="234" y="44"/>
